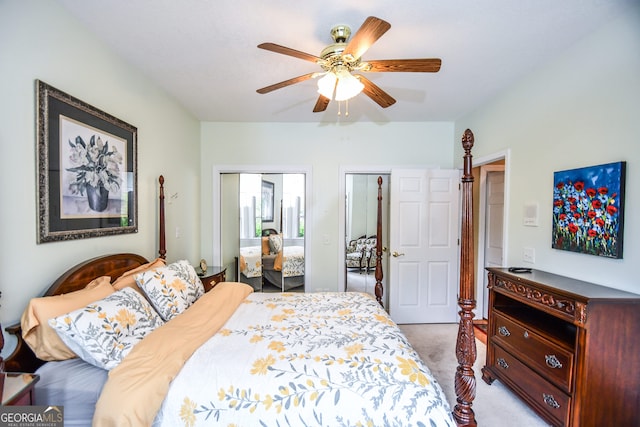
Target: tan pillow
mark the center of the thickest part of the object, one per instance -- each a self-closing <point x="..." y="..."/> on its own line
<point x="277" y="263"/>
<point x="127" y="279"/>
<point x="265" y="246"/>
<point x="37" y="333"/>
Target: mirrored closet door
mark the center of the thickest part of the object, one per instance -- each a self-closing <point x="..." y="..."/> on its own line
<point x="267" y="242"/>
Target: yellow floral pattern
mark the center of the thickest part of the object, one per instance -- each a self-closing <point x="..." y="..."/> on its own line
<point x="104" y="332"/>
<point x="306" y="359"/>
<point x="171" y="289"/>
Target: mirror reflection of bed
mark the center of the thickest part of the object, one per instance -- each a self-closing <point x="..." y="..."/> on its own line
<point x="360" y="229"/>
<point x="270" y="255"/>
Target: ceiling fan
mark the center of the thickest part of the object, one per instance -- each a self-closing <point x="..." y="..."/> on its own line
<point x="344" y="56"/>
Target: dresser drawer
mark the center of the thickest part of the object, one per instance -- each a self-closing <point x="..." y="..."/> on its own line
<point x="213" y="276"/>
<point x="550" y="400"/>
<point x="549" y="359"/>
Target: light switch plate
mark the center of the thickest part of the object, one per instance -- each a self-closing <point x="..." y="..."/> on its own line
<point x="530" y="214"/>
<point x="529" y="255"/>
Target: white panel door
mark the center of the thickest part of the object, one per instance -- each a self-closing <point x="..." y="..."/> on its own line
<point x="423" y="268"/>
<point x="494" y="219"/>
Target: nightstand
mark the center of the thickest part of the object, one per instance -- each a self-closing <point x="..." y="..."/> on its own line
<point x="213" y="276"/>
<point x="18" y="388"/>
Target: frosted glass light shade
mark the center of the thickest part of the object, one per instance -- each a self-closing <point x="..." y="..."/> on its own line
<point x="347" y="85"/>
<point x="327" y="84"/>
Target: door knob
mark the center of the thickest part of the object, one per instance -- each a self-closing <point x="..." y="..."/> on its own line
<point x="396" y="254"/>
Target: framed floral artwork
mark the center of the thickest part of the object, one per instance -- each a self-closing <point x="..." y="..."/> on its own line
<point x="87" y="178"/>
<point x="588" y="210"/>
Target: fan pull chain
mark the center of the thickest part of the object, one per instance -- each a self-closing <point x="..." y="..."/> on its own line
<point x="346" y="110"/>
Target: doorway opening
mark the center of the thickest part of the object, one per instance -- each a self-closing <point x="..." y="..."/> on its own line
<point x="491" y="174"/>
<point x="356" y="202"/>
<point x="361" y="212"/>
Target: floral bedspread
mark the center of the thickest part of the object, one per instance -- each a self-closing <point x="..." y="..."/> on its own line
<point x="293" y="264"/>
<point x="251" y="261"/>
<point x="315" y="359"/>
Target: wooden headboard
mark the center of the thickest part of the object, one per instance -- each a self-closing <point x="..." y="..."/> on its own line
<point x="22" y="359"/>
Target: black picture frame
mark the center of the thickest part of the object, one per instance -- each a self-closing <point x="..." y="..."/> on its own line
<point x="267" y="201"/>
<point x="79" y="145"/>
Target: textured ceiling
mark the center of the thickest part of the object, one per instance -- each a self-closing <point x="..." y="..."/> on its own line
<point x="204" y="54"/>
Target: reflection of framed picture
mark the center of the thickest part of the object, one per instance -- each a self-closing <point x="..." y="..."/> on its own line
<point x="87" y="177"/>
<point x="588" y="210"/>
<point x="267" y="201"/>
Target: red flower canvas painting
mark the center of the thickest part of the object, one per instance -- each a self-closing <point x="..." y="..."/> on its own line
<point x="588" y="208"/>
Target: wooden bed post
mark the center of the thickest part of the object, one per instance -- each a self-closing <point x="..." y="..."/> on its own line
<point x="379" y="289"/>
<point x="162" y="244"/>
<point x="465" y="381"/>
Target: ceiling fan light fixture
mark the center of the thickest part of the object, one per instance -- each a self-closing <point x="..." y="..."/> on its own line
<point x="339" y="60"/>
<point x="341" y="83"/>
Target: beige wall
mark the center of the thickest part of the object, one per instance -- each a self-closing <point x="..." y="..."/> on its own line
<point x="39" y="40"/>
<point x="579" y="111"/>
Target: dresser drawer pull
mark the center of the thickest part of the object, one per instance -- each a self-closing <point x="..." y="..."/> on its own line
<point x="552" y="361"/>
<point x="502" y="330"/>
<point x="502" y="363"/>
<point x="549" y="400"/>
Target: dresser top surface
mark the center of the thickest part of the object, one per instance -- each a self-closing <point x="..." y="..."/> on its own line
<point x="577" y="288"/>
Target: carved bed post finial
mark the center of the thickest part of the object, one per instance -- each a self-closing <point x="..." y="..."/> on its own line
<point x="378" y="274"/>
<point x="162" y="243"/>
<point x="465" y="381"/>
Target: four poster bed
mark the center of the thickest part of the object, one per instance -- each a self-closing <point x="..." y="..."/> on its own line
<point x="234" y="355"/>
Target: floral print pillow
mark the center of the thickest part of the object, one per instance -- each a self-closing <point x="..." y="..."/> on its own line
<point x="104" y="332"/>
<point x="275" y="243"/>
<point x="171" y="289"/>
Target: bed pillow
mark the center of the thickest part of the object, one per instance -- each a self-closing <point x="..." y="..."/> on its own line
<point x="277" y="263"/>
<point x="265" y="246"/>
<point x="275" y="243"/>
<point x="127" y="280"/>
<point x="105" y="331"/>
<point x="171" y="289"/>
<point x="39" y="336"/>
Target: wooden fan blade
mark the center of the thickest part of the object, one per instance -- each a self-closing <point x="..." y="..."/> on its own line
<point x="371" y="30"/>
<point x="288" y="51"/>
<point x="321" y="104"/>
<point x="381" y="97"/>
<point x="285" y="83"/>
<point x="423" y="65"/>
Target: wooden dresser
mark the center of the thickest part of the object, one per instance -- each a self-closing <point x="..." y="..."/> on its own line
<point x="570" y="349"/>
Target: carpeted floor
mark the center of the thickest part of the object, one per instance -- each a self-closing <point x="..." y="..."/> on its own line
<point x="494" y="405"/>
